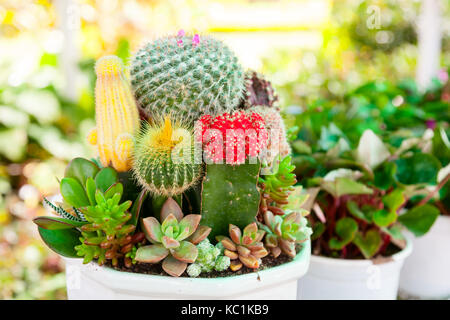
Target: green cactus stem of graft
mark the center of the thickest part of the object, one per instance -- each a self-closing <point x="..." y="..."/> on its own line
<point x="174" y="240"/>
<point x="229" y="196"/>
<point x="187" y="76"/>
<point x="164" y="158"/>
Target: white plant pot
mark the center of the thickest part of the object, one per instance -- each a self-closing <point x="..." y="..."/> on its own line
<point x="91" y="281"/>
<point x="341" y="279"/>
<point x="426" y="273"/>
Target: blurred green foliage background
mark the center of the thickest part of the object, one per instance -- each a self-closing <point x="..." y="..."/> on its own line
<point x="320" y="55"/>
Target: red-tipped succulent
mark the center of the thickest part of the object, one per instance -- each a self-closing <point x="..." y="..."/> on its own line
<point x="173" y="240"/>
<point x="244" y="248"/>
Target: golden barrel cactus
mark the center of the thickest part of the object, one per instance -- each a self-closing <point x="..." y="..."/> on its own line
<point x="116" y="114"/>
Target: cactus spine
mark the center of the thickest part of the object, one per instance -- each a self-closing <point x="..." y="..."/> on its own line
<point x="164" y="158"/>
<point x="117" y="116"/>
<point x="188" y="76"/>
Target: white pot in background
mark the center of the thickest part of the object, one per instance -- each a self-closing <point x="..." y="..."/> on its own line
<point x="91" y="281"/>
<point x="341" y="279"/>
<point x="426" y="273"/>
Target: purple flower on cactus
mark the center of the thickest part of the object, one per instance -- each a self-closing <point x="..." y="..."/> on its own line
<point x="431" y="124"/>
<point x="195" y="40"/>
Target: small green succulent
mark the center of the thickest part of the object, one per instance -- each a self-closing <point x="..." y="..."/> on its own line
<point x="94" y="221"/>
<point x="283" y="232"/>
<point x="173" y="240"/>
<point x="209" y="258"/>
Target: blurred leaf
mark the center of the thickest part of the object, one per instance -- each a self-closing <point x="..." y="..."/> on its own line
<point x="441" y="145"/>
<point x="346" y="229"/>
<point x="419" y="168"/>
<point x="419" y="219"/>
<point x="385" y="175"/>
<point x="394" y="199"/>
<point x="345" y="186"/>
<point x="384" y="218"/>
<point x="357" y="213"/>
<point x="371" y="150"/>
<point x="369" y="244"/>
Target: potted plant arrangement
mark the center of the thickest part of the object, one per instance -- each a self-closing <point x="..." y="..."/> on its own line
<point x="425" y="274"/>
<point x="360" y="199"/>
<point x="193" y="194"/>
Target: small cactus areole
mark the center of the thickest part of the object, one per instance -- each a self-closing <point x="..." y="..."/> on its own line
<point x="117" y="117"/>
<point x="164" y="158"/>
<point x="187" y="76"/>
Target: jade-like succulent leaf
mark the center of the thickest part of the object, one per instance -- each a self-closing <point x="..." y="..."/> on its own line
<point x="250" y="262"/>
<point x="169" y="222"/>
<point x="91" y="188"/>
<point x="152" y="229"/>
<point x="384" y="218"/>
<point x="271" y="241"/>
<point x="174" y="267"/>
<point x="81" y="169"/>
<point x="288" y="247"/>
<point x="62" y="241"/>
<point x="243" y="251"/>
<point x="227" y="243"/>
<point x="369" y="244"/>
<point x="346" y="229"/>
<point x="186" y="252"/>
<point x="250" y="230"/>
<point x="188" y="225"/>
<point x="151" y="254"/>
<point x="73" y="193"/>
<point x="54" y="223"/>
<point x="169" y="243"/>
<point x="235" y="233"/>
<point x="105" y="178"/>
<point x="114" y="189"/>
<point x="199" y="235"/>
<point x="170" y="206"/>
<point x="419" y="219"/>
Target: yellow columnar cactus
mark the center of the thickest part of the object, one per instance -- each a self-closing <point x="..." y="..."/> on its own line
<point x="116" y="114"/>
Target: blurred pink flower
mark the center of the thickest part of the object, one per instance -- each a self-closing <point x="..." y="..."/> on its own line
<point x="195" y="40"/>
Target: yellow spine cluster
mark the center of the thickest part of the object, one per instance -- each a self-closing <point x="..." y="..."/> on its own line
<point x="116" y="114"/>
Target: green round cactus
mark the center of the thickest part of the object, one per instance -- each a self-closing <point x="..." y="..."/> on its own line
<point x="187" y="76"/>
<point x="163" y="158"/>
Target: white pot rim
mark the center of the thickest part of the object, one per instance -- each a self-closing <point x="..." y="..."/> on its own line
<point x="399" y="256"/>
<point x="216" y="287"/>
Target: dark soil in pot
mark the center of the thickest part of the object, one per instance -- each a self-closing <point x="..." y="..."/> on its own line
<point x="156" y="269"/>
